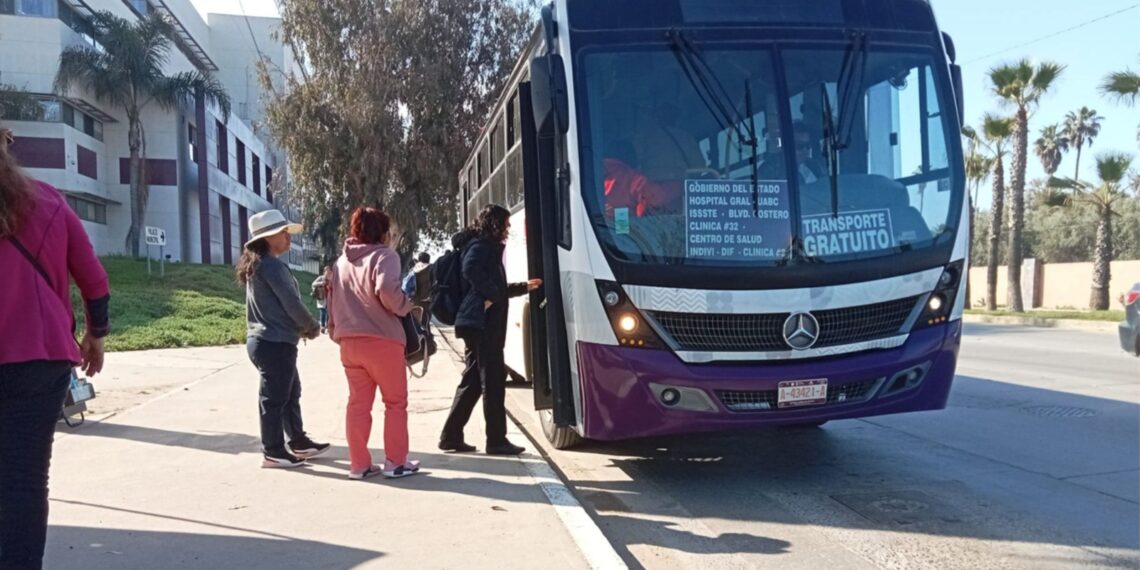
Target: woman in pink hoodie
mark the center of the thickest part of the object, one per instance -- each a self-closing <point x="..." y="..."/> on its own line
<point x="365" y="303"/>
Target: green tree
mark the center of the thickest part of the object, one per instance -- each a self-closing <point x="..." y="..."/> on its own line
<point x="16" y="103"/>
<point x="1050" y="148"/>
<point x="1020" y="86"/>
<point x="389" y="105"/>
<point x="127" y="71"/>
<point x="978" y="167"/>
<point x="1081" y="128"/>
<point x="1103" y="197"/>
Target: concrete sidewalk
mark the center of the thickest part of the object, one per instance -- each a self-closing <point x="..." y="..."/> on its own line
<point x="175" y="482"/>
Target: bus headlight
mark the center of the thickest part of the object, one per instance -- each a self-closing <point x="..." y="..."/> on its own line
<point x="627" y="323"/>
<point x="611" y="298"/>
<point x="935" y="303"/>
<point x="940" y="303"/>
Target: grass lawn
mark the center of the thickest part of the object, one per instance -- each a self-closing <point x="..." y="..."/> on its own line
<point x="1046" y="314"/>
<point x="193" y="305"/>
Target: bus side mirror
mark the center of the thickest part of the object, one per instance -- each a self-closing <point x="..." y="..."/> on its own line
<point x="959" y="95"/>
<point x="548" y="90"/>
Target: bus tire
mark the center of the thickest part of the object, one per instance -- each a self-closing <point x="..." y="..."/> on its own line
<point x="561" y="437"/>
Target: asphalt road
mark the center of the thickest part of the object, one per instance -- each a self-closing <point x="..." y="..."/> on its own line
<point x="1034" y="464"/>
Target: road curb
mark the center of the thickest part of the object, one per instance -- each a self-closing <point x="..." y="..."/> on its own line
<point x="599" y="553"/>
<point x="1038" y="322"/>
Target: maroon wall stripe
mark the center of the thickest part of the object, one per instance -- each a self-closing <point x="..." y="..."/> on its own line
<point x="88" y="162"/>
<point x="203" y="178"/>
<point x="38" y="152"/>
<point x="161" y="171"/>
<point x="227" y="231"/>
<point x="243" y="217"/>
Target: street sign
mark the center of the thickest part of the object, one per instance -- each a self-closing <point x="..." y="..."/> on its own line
<point x="155" y="236"/>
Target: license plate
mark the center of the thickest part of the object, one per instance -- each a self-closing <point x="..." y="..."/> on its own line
<point x="795" y="393"/>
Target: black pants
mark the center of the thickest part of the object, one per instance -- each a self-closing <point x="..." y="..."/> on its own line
<point x="485" y="374"/>
<point x="280" y="393"/>
<point x="31" y="398"/>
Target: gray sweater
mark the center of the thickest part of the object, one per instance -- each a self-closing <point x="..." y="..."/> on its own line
<point x="273" y="308"/>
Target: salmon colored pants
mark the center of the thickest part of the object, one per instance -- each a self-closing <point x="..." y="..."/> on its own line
<point x="370" y="363"/>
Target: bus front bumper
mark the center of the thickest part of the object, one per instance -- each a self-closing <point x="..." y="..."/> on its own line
<point x="633" y="392"/>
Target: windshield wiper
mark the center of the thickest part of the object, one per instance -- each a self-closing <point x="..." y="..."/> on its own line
<point x="848" y="87"/>
<point x="713" y="94"/>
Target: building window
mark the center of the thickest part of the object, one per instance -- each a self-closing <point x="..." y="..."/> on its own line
<point x="88" y="210"/>
<point x="223" y="148"/>
<point x="269" y="184"/>
<point x="512" y="126"/>
<point x="49" y="109"/>
<point x="193" y="136"/>
<point x="256" y="175"/>
<point x="240" y="162"/>
<point x="140" y="6"/>
<point x="43" y="8"/>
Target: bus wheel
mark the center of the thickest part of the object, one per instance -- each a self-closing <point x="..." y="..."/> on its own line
<point x="559" y="436"/>
<point x="805" y="425"/>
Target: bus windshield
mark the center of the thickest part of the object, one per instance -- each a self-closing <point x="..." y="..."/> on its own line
<point x="673" y="142"/>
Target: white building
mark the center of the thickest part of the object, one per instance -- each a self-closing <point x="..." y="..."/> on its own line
<point x="207" y="174"/>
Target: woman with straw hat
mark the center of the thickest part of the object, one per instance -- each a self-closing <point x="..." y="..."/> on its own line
<point x="276" y="320"/>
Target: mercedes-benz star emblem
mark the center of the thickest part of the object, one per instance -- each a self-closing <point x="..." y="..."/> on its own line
<point x="801" y="330"/>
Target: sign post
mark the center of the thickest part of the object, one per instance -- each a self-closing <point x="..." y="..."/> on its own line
<point x="156" y="236"/>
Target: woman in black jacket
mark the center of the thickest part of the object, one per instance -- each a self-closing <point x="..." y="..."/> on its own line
<point x="482" y="324"/>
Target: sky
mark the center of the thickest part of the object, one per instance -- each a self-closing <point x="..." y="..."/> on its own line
<point x="982" y="27"/>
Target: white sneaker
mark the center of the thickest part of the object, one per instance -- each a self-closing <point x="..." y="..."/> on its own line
<point x="370" y="471"/>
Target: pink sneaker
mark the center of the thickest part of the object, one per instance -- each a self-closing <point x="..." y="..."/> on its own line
<point x="370" y="471"/>
<point x="393" y="471"/>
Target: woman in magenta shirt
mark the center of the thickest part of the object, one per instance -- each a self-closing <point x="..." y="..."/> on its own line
<point x="42" y="246"/>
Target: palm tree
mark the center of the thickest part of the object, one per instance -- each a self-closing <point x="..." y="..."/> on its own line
<point x="978" y="167"/>
<point x="996" y="132"/>
<point x="1111" y="169"/>
<point x="1124" y="87"/>
<point x="1050" y="147"/>
<point x="1021" y="86"/>
<point x="1081" y="127"/>
<point x="126" y="70"/>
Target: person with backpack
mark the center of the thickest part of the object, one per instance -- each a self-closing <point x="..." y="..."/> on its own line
<point x="365" y="307"/>
<point x="43" y="246"/>
<point x="481" y="321"/>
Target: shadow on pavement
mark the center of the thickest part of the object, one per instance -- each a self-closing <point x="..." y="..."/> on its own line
<point x="998" y="464"/>
<point x="130" y="549"/>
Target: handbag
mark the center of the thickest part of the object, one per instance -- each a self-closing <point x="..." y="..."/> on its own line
<point x="79" y="392"/>
<point x="419" y="342"/>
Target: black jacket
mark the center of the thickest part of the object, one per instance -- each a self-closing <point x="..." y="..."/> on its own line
<point x="486" y="280"/>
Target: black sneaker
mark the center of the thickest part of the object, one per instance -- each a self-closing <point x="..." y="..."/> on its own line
<point x="456" y="446"/>
<point x="308" y="448"/>
<point x="281" y="460"/>
<point x="504" y="448"/>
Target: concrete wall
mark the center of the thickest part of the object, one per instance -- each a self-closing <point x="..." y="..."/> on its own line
<point x="1065" y="285"/>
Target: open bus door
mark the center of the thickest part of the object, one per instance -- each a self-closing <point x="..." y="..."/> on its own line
<point x="546" y="347"/>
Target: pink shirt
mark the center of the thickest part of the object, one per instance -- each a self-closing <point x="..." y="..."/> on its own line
<point x="365" y="298"/>
<point x="35" y="318"/>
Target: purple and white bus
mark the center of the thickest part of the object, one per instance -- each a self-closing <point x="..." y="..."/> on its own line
<point x="746" y="213"/>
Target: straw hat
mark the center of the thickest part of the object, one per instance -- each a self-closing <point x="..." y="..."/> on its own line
<point x="268" y="223"/>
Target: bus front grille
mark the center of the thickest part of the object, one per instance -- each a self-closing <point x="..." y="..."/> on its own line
<point x="766" y="400"/>
<point x="764" y="332"/>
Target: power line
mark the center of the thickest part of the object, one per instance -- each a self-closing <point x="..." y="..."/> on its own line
<point x="1054" y="34"/>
